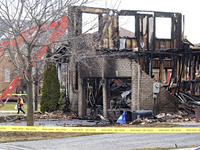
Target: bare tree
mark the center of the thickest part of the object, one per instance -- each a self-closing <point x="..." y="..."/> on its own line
<point x="29" y="27"/>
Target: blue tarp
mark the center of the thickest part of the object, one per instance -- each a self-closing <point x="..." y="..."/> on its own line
<point x="122" y="118"/>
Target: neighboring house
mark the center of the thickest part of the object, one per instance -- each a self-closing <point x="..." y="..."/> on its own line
<point x="52" y="32"/>
<point x="125" y="33"/>
<point x="7" y="71"/>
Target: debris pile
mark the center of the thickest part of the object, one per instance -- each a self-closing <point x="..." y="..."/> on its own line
<point x="188" y="102"/>
<point x="58" y="115"/>
<point x="168" y="118"/>
<point x="61" y="119"/>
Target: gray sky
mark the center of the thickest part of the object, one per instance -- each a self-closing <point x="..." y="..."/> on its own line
<point x="189" y="8"/>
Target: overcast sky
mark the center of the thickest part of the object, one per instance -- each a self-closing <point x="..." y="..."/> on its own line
<point x="189" y="8"/>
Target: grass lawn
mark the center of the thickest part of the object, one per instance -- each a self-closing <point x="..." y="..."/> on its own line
<point x="11" y="107"/>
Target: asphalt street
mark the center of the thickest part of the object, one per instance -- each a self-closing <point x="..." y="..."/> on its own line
<point x="118" y="141"/>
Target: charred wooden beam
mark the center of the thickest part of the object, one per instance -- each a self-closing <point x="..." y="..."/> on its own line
<point x="151" y="65"/>
<point x="177" y="69"/>
<point x="179" y="30"/>
<point x="128" y="13"/>
<point x="137" y="31"/>
<point x="174" y="70"/>
<point x="193" y="67"/>
<point x="154" y="33"/>
<point x="161" y="70"/>
<point x="116" y="32"/>
<point x="85" y="9"/>
<point x="75" y="21"/>
<point x="172" y="32"/>
<point x="102" y="23"/>
<point x="180" y="68"/>
<point x="164" y="14"/>
<point x="186" y="66"/>
<point x="147" y="58"/>
<point x="148" y="16"/>
<point x="183" y="67"/>
<point x="105" y="29"/>
<point x="143" y="63"/>
<point x="100" y="19"/>
<point x="198" y="64"/>
<point x="190" y="65"/>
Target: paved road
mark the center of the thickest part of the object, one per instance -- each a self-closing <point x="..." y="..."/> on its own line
<point x="118" y="141"/>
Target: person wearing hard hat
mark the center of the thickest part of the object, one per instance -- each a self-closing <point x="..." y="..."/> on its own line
<point x="20" y="104"/>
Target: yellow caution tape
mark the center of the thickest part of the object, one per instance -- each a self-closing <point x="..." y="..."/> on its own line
<point x="100" y="129"/>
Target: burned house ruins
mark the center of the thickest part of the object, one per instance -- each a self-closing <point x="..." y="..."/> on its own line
<point x="107" y="71"/>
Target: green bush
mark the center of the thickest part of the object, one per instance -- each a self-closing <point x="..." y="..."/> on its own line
<point x="50" y="88"/>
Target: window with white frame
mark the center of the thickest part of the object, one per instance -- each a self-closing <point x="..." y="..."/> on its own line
<point x="7" y="74"/>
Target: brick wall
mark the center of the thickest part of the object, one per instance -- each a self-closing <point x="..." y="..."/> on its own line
<point x="107" y="67"/>
<point x="126" y="67"/>
<point x="6" y="63"/>
<point x="165" y="101"/>
<point x="146" y="91"/>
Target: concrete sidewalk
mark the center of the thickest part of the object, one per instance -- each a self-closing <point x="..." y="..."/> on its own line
<point x="8" y="112"/>
<point x="194" y="148"/>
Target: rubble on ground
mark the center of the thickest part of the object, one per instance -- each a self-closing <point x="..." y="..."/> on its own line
<point x="58" y="119"/>
<point x="58" y="115"/>
<point x="166" y="117"/>
<point x="69" y="119"/>
<point x="162" y="117"/>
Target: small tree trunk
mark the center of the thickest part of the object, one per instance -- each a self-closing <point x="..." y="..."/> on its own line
<point x="30" y="120"/>
<point x="36" y="96"/>
<point x="36" y="86"/>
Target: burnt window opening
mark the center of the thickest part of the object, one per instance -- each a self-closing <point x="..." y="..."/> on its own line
<point x="127" y="26"/>
<point x="90" y="29"/>
<point x="89" y="23"/>
<point x="127" y="32"/>
<point x="163" y="28"/>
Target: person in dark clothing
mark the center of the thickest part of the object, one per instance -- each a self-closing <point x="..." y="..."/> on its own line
<point x="20" y="104"/>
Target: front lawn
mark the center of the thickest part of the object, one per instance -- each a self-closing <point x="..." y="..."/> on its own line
<point x="11" y="107"/>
